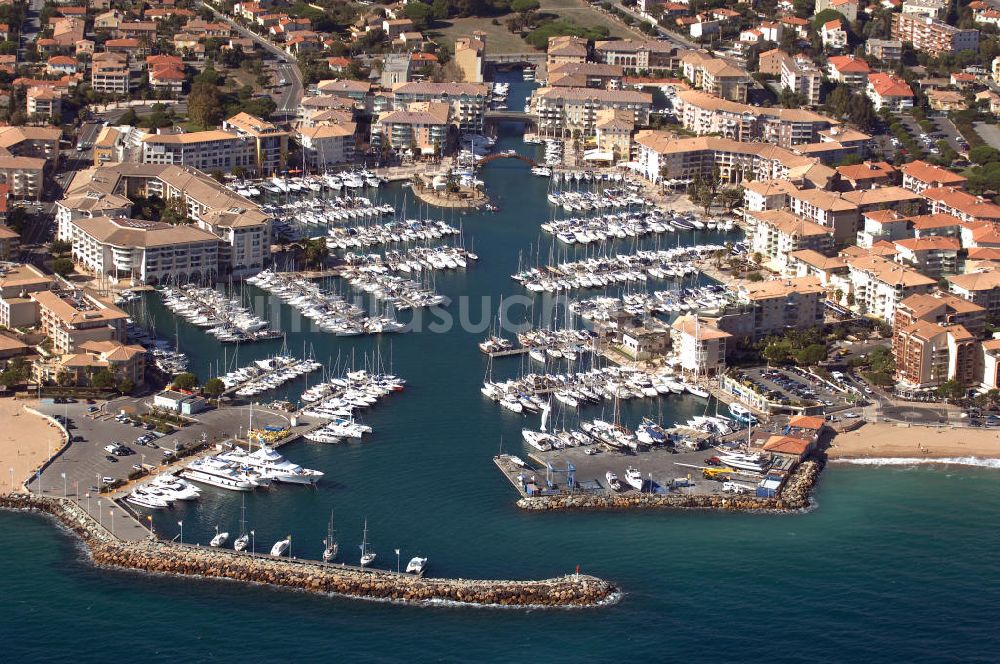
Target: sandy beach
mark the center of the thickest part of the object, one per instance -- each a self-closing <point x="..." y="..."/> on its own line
<point x="882" y="440"/>
<point x="25" y="442"/>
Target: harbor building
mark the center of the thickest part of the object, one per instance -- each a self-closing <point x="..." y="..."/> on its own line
<point x="774" y="306"/>
<point x="563" y="49"/>
<point x="662" y="156"/>
<point x="213" y="150"/>
<point x="421" y="126"/>
<point x="242" y="226"/>
<point x="324" y="146"/>
<point x="270" y="142"/>
<point x="470" y="56"/>
<point x="468" y="101"/>
<point x="634" y="56"/>
<point x="72" y="318"/>
<point x="562" y="111"/>
<point x="147" y="252"/>
<point x="700" y="345"/>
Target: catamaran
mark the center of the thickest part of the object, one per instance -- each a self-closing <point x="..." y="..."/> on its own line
<point x="416" y="565"/>
<point x="367" y="557"/>
<point x="330" y="543"/>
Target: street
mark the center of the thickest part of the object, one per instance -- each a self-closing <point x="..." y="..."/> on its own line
<point x="287" y="68"/>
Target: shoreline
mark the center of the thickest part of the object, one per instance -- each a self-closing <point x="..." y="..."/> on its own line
<point x="31" y="442"/>
<point x="159" y="557"/>
<point x="881" y="441"/>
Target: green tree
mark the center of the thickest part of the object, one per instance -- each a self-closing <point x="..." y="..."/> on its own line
<point x="315" y="251"/>
<point x="62" y="266"/>
<point x="810" y="355"/>
<point x="126" y="386"/>
<point x="951" y="390"/>
<point x="103" y="380"/>
<point x="185" y="381"/>
<point x="204" y="105"/>
<point x="984" y="154"/>
<point x="214" y="387"/>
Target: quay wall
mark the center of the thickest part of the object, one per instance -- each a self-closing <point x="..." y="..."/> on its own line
<point x="168" y="558"/>
<point x="793" y="497"/>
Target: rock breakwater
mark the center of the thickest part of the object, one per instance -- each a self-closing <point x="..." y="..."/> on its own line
<point x="169" y="558"/>
<point x="794" y="496"/>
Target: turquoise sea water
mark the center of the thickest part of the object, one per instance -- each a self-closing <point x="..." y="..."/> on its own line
<point x="893" y="565"/>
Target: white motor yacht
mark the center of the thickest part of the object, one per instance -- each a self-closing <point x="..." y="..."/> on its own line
<point x="270" y="463"/>
<point x="634" y="478"/>
<point x="281" y="546"/>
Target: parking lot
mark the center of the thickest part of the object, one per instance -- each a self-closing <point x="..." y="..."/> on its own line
<point x="793" y="386"/>
<point x="87" y="464"/>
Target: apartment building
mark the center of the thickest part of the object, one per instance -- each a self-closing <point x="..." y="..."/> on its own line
<point x="634" y="56"/>
<point x="147" y="252"/>
<point x="779" y="232"/>
<point x="562" y="111"/>
<point x="17" y="283"/>
<point x="889" y="51"/>
<point x="23" y="176"/>
<point x="882" y="226"/>
<point x="885" y="198"/>
<point x="470" y="56"/>
<point x="942" y="309"/>
<point x="980" y="288"/>
<point x="420" y="126"/>
<point x="932" y="36"/>
<point x="37" y="142"/>
<point x="124" y="361"/>
<point x="213" y="150"/>
<point x="328" y="145"/>
<point x="467" y="100"/>
<point x="700" y="345"/>
<point x="72" y="318"/>
<point x="44" y="101"/>
<point x="716" y="76"/>
<point x="88" y="205"/>
<point x="937" y="9"/>
<point x="827" y="209"/>
<point x="703" y="113"/>
<point x="661" y="156"/>
<point x="243" y="228"/>
<point x="110" y="73"/>
<point x="889" y="92"/>
<point x="928" y="354"/>
<point x="269" y="141"/>
<point x="849" y="8"/>
<point x="586" y="75"/>
<point x="565" y="49"/>
<point x="356" y="93"/>
<point x="868" y="175"/>
<point x="919" y="176"/>
<point x="931" y="256"/>
<point x="774" y="306"/>
<point x="879" y="284"/>
<point x="802" y="77"/>
<point x="849" y="70"/>
<point x="961" y="204"/>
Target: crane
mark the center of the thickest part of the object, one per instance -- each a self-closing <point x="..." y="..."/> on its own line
<point x="551" y="472"/>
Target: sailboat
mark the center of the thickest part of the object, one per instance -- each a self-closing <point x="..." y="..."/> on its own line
<point x="367" y="557"/>
<point x="219" y="539"/>
<point x="244" y="539"/>
<point x="330" y="552"/>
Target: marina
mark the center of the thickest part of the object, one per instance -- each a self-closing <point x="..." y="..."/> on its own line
<point x="223" y="317"/>
<point x="617" y="269"/>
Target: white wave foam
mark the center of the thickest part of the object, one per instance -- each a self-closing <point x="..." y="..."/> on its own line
<point x="912" y="461"/>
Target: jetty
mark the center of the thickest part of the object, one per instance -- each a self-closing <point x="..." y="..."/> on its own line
<point x="156" y="556"/>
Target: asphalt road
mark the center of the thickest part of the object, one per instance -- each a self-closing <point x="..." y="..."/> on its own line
<point x="670" y="35"/>
<point x="288" y="67"/>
